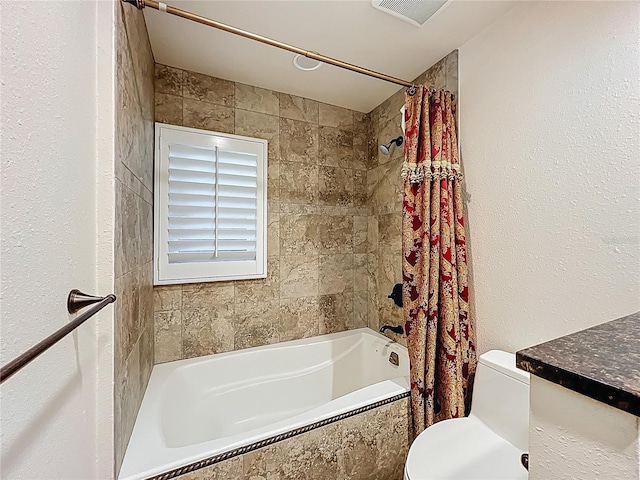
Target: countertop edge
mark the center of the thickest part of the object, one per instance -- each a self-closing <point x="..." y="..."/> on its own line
<point x="589" y="387"/>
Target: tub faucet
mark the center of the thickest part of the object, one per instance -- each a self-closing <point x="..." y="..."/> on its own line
<point x="398" y="329"/>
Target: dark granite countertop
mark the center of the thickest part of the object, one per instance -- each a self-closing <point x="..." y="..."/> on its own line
<point x="602" y="362"/>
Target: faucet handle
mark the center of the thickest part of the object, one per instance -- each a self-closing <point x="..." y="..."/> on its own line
<point x="397" y="329"/>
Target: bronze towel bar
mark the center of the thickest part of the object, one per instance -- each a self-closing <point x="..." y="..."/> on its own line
<point x="75" y="301"/>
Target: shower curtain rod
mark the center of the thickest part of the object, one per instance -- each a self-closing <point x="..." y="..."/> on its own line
<point x="163" y="7"/>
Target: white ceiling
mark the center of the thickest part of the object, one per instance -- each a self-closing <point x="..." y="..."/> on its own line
<point x="352" y="31"/>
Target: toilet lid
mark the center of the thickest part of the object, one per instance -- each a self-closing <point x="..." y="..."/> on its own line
<point x="463" y="449"/>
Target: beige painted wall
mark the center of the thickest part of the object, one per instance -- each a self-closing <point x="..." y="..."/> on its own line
<point x="551" y="151"/>
<point x="133" y="343"/>
<point x="563" y="444"/>
<point x="317" y="226"/>
<point x="56" y="234"/>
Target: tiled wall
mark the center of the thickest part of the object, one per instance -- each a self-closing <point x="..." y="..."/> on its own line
<point x="369" y="446"/>
<point x="133" y="345"/>
<point x="384" y="191"/>
<point x="319" y="263"/>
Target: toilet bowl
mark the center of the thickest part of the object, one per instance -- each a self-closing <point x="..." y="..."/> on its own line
<point x="487" y="444"/>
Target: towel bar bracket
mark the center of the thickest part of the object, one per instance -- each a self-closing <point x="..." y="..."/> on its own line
<point x="75" y="301"/>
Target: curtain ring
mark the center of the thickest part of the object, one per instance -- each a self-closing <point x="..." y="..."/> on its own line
<point x="411" y="91"/>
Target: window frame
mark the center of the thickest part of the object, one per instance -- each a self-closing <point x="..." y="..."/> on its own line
<point x="165" y="273"/>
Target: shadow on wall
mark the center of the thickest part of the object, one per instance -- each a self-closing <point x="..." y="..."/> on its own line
<point x="38" y="421"/>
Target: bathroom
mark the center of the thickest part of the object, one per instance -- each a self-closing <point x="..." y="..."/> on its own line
<point x="547" y="98"/>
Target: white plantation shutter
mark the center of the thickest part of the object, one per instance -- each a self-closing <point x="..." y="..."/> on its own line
<point x="210" y="206"/>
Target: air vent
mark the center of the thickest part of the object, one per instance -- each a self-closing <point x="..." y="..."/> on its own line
<point x="416" y="12"/>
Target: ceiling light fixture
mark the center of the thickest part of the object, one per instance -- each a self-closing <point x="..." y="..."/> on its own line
<point x="305" y="63"/>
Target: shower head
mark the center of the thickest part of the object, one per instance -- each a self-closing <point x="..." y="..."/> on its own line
<point x="386" y="148"/>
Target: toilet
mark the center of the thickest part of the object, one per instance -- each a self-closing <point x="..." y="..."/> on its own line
<point x="489" y="442"/>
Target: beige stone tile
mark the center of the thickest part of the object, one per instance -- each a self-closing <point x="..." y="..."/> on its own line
<point x="336" y="233"/>
<point x="360" y="310"/>
<point x="131" y="380"/>
<point x="361" y="272"/>
<point x="389" y="271"/>
<point x="226" y="470"/>
<point x="207" y="330"/>
<point x="299" y="235"/>
<point x="373" y="311"/>
<point x="360" y="230"/>
<point x="360" y="152"/>
<point x="393" y="444"/>
<point x="372" y="272"/>
<point x="335" y="147"/>
<point x="126" y="398"/>
<point x="298" y="276"/>
<point x="197" y="86"/>
<point x="262" y="464"/>
<point x="361" y="123"/>
<point x="390" y="314"/>
<point x="335" y="273"/>
<point x="207" y="116"/>
<point x="256" y="324"/>
<point x="168" y="109"/>
<point x="256" y="99"/>
<point x="336" y="312"/>
<point x="205" y="295"/>
<point x="389" y="190"/>
<point x="360" y="195"/>
<point x="298" y="108"/>
<point x="389" y="131"/>
<point x="128" y="244"/>
<point x="375" y="443"/>
<point x="133" y="183"/>
<point x="314" y="455"/>
<point x="146" y="358"/>
<point x="260" y="290"/>
<point x="390" y="108"/>
<point x="207" y="318"/>
<point x="145" y="232"/>
<point x="390" y="227"/>
<point x="373" y="145"/>
<point x="167" y="297"/>
<point x="372" y="189"/>
<point x="298" y="318"/>
<point x="273" y="179"/>
<point x="332" y="116"/>
<point x="141" y="55"/>
<point x="372" y="233"/>
<point x="360" y="448"/>
<point x="298" y="183"/>
<point x="127" y="315"/>
<point x="335" y="186"/>
<point x="273" y="234"/>
<point x="298" y="141"/>
<point x="451" y="72"/>
<point x="434" y="77"/>
<point x="259" y="125"/>
<point x="374" y="116"/>
<point x="145" y="277"/>
<point x="168" y="80"/>
<point x="168" y="336"/>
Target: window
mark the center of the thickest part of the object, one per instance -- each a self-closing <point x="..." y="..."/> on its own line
<point x="210" y="206"/>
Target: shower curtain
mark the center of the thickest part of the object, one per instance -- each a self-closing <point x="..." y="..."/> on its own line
<point x="440" y="332"/>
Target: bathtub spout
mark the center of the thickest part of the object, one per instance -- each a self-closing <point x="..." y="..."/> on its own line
<point x="398" y="329"/>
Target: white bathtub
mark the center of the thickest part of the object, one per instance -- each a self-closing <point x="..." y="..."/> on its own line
<point x="202" y="409"/>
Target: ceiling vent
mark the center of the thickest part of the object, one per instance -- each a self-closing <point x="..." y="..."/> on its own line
<point x="416" y="12"/>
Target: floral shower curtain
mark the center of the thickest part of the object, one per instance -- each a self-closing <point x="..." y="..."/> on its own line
<point x="440" y="333"/>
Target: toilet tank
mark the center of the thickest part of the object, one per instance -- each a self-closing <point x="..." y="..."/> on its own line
<point x="501" y="397"/>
